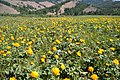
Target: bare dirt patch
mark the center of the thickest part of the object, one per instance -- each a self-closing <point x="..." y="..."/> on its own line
<point x="7" y="9"/>
<point x="70" y="4"/>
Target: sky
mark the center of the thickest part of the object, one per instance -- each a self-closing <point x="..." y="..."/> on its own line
<point x="116" y="0"/>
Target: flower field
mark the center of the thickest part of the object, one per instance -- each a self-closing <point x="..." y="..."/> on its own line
<point x="63" y="48"/>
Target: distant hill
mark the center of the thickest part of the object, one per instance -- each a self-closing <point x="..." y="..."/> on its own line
<point x="6" y="9"/>
<point x="62" y="7"/>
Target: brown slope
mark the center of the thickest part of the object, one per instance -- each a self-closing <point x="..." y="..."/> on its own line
<point x="7" y="9"/>
<point x="35" y="5"/>
<point x="70" y="4"/>
<point x="47" y="4"/>
<point x="90" y="9"/>
<point x="25" y="3"/>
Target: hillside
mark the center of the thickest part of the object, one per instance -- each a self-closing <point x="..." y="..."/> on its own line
<point x="26" y="6"/>
<point x="62" y="7"/>
<point x="69" y="7"/>
<point x="6" y="9"/>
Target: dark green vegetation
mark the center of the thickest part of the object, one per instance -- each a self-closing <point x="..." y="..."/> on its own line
<point x="50" y="9"/>
<point x="108" y="7"/>
<point x="77" y="10"/>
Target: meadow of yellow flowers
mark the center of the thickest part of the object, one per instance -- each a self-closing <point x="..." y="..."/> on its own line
<point x="63" y="48"/>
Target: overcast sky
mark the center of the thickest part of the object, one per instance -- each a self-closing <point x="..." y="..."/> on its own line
<point x="116" y="0"/>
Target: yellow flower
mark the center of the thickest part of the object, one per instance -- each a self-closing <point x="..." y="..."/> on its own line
<point x="50" y="52"/>
<point x="12" y="78"/>
<point x="16" y="44"/>
<point x="116" y="62"/>
<point x="57" y="41"/>
<point x="8" y="52"/>
<point x="6" y="42"/>
<point x="69" y="52"/>
<point x="43" y="56"/>
<point x="56" y="56"/>
<point x="98" y="42"/>
<point x="1" y="51"/>
<point x="29" y="51"/>
<point x="29" y="43"/>
<point x="8" y="47"/>
<point x="77" y="43"/>
<point x="107" y="64"/>
<point x="56" y="71"/>
<point x="4" y="54"/>
<point x="106" y="75"/>
<point x="2" y="38"/>
<point x="111" y="40"/>
<point x="42" y="59"/>
<point x="62" y="66"/>
<point x="54" y="48"/>
<point x="31" y="63"/>
<point x="66" y="79"/>
<point x="78" y="53"/>
<point x="34" y="74"/>
<point x="94" y="77"/>
<point x="91" y="69"/>
<point x="100" y="51"/>
<point x="82" y="40"/>
<point x="112" y="48"/>
<point x="22" y="41"/>
<point x="70" y="40"/>
<point x="12" y="37"/>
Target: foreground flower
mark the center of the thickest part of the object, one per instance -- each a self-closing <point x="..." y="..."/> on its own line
<point x="94" y="77"/>
<point x="29" y="43"/>
<point x="8" y="52"/>
<point x="50" y="52"/>
<point x="12" y="78"/>
<point x="107" y="64"/>
<point x="56" y="56"/>
<point x="57" y="41"/>
<point x="54" y="48"/>
<point x="100" y="51"/>
<point x="31" y="63"/>
<point x="82" y="40"/>
<point x="69" y="52"/>
<point x="106" y="75"/>
<point x="62" y="66"/>
<point x="43" y="56"/>
<point x="29" y="51"/>
<point x="91" y="69"/>
<point x="34" y="74"/>
<point x="16" y="44"/>
<point x="56" y="71"/>
<point x="116" y="62"/>
<point x="98" y="42"/>
<point x="78" y="53"/>
<point x="66" y="79"/>
<point x="111" y="40"/>
<point x="112" y="48"/>
<point x="4" y="54"/>
<point x="12" y="37"/>
<point x="8" y="47"/>
<point x="1" y="51"/>
<point x="42" y="59"/>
